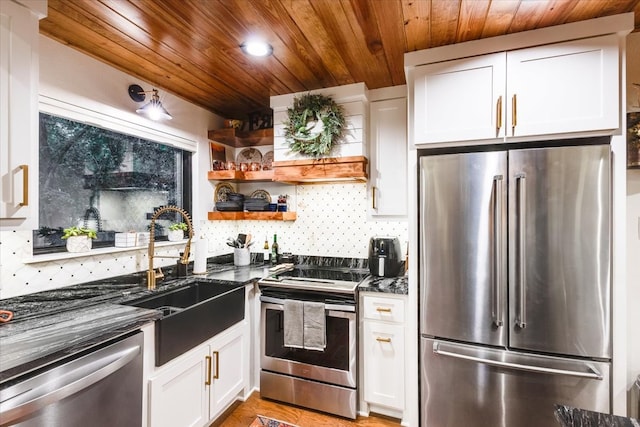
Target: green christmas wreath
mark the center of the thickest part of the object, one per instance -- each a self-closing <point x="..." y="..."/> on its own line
<point x="314" y="125"/>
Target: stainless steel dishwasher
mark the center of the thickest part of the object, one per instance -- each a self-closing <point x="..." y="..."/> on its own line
<point x="98" y="387"/>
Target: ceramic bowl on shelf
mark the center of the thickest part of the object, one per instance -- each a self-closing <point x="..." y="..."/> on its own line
<point x="249" y="155"/>
<point x="267" y="161"/>
<point x="222" y="191"/>
<point x="261" y="194"/>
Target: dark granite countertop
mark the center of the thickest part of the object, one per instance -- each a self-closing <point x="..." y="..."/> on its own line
<point x="51" y="325"/>
<point x="568" y="416"/>
<point x="48" y="326"/>
<point x="389" y="285"/>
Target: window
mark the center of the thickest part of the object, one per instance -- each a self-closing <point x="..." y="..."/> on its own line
<point x="105" y="180"/>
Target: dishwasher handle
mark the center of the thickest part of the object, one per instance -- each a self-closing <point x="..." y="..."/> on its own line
<point x="91" y="369"/>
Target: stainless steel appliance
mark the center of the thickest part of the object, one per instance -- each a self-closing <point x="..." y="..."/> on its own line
<point x="514" y="284"/>
<point x="634" y="403"/>
<point x="99" y="387"/>
<point x="385" y="256"/>
<point x="322" y="380"/>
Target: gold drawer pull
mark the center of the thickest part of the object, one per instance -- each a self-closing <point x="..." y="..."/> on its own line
<point x="207" y="381"/>
<point x="514" y="114"/>
<point x="25" y="185"/>
<point x="217" y="374"/>
<point x="373" y="198"/>
<point x="383" y="310"/>
<point x="380" y="339"/>
<point x="499" y="115"/>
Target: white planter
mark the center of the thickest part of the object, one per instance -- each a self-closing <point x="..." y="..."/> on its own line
<point x="176" y="235"/>
<point x="78" y="244"/>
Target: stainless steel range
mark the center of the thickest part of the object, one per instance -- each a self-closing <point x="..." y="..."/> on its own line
<point x="324" y="379"/>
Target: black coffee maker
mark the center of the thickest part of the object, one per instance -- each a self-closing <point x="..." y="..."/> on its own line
<point x="385" y="256"/>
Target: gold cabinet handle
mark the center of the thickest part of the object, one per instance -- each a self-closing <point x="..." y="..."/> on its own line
<point x="380" y="339"/>
<point x="514" y="113"/>
<point x="207" y="381"/>
<point x="25" y="185"/>
<point x="217" y="374"/>
<point x="373" y="197"/>
<point x="383" y="310"/>
<point x="499" y="115"/>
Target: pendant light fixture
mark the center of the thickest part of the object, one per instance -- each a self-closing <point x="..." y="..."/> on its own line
<point x="154" y="109"/>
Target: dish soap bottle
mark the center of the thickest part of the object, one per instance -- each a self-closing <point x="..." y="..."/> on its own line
<point x="274" y="250"/>
<point x="265" y="250"/>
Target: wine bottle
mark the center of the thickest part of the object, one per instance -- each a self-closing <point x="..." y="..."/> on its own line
<point x="265" y="250"/>
<point x="274" y="250"/>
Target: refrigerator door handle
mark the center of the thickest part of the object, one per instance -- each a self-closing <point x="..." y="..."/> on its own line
<point x="594" y="374"/>
<point x="521" y="320"/>
<point x="497" y="250"/>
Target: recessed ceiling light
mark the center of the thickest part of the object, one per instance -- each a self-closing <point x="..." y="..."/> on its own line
<point x="256" y="48"/>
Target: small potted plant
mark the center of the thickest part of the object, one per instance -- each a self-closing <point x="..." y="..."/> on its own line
<point x="78" y="238"/>
<point x="176" y="231"/>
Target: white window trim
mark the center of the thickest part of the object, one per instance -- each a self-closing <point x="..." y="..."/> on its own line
<point x="95" y="118"/>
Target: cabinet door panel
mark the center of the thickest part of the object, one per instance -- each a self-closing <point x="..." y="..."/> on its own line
<point x="228" y="366"/>
<point x="18" y="121"/>
<point x="564" y="87"/>
<point x="389" y="157"/>
<point x="384" y="354"/>
<point x="459" y="100"/>
<point x="178" y="396"/>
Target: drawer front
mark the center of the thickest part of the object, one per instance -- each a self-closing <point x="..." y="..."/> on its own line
<point x="383" y="308"/>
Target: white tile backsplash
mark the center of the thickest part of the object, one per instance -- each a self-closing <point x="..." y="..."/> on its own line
<point x="331" y="221"/>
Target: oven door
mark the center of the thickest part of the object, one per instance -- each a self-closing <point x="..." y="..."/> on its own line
<point x="335" y="365"/>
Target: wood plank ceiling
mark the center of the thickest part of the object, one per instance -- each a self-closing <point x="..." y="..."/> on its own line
<point x="190" y="48"/>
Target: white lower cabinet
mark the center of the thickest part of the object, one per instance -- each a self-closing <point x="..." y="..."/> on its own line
<point x="383" y="345"/>
<point x="228" y="376"/>
<point x="198" y="386"/>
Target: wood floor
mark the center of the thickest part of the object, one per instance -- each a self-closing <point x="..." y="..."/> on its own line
<point x="242" y="414"/>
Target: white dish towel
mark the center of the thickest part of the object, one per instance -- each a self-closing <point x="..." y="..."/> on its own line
<point x="292" y="323"/>
<point x="315" y="336"/>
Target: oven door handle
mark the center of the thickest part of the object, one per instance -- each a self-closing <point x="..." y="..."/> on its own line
<point x="332" y="307"/>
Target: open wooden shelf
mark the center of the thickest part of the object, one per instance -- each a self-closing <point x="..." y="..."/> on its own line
<point x="254" y="216"/>
<point x="240" y="175"/>
<point x="352" y="168"/>
<point x="237" y="138"/>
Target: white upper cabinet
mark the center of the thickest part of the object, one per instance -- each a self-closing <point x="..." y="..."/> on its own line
<point x="550" y="89"/>
<point x="459" y="100"/>
<point x="18" y="115"/>
<point x="388" y="164"/>
<point x="564" y="87"/>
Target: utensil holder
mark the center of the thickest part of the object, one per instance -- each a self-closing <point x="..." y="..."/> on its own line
<point x="241" y="257"/>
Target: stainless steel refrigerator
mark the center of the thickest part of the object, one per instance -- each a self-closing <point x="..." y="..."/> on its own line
<point x="515" y="298"/>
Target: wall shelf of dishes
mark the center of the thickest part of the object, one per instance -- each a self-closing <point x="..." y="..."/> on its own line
<point x="253" y="216"/>
<point x="249" y="164"/>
